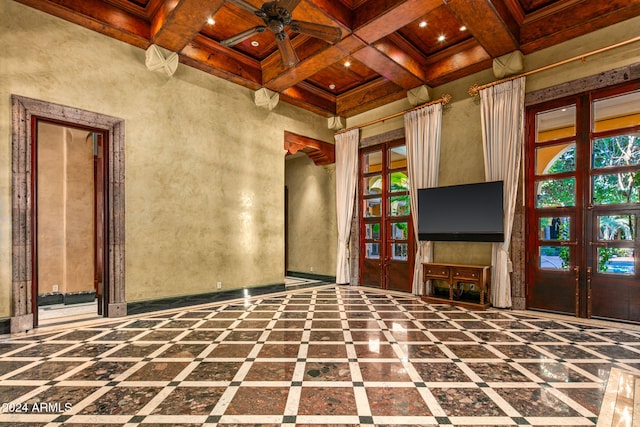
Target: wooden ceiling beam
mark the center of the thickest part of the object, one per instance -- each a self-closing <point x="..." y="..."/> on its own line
<point x="312" y="65"/>
<point x="329" y="12"/>
<point x="368" y="96"/>
<point x="98" y="16"/>
<point x="456" y="62"/>
<point x="305" y="47"/>
<point x="309" y="97"/>
<point x="206" y="55"/>
<point x="490" y="22"/>
<point x="553" y="26"/>
<point x="379" y="60"/>
<point x="376" y="19"/>
<point x="177" y="22"/>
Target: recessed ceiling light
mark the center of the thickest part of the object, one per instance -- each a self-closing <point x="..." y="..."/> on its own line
<point x="463" y="28"/>
<point x="332" y="86"/>
<point x="347" y="64"/>
<point x="422" y="24"/>
<point x="255" y="43"/>
<point x="211" y="21"/>
<point x="441" y="38"/>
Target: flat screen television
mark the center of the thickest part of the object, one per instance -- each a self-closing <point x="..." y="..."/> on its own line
<point x="464" y="213"/>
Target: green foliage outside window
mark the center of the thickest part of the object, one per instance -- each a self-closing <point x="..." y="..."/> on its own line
<point x="616" y="188"/>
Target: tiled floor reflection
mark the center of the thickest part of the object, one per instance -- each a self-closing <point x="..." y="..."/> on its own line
<point x="330" y="355"/>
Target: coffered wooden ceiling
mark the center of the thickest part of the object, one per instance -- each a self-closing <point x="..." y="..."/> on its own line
<point x="388" y="49"/>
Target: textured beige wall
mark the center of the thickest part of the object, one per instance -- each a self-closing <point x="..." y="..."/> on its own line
<point x="50" y="207"/>
<point x="204" y="165"/>
<point x="461" y="152"/>
<point x="313" y="230"/>
<point x="79" y="227"/>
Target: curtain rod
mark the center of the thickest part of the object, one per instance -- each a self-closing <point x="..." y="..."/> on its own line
<point x="444" y="99"/>
<point x="475" y="89"/>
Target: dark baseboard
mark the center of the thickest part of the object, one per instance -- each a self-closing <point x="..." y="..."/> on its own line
<point x="321" y="277"/>
<point x="50" y="299"/>
<point x="210" y="297"/>
<point x="5" y="326"/>
<point x="66" y="299"/>
<point x="79" y="297"/>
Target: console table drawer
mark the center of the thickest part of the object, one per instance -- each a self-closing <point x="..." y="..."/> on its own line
<point x="466" y="274"/>
<point x="437" y="271"/>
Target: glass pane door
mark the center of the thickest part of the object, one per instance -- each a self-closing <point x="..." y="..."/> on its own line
<point x="387" y="243"/>
<point x="553" y="214"/>
<point x="371" y="217"/>
<point x="583" y="205"/>
<point x="613" y="281"/>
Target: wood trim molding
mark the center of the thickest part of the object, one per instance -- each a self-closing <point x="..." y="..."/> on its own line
<point x="593" y="82"/>
<point x="23" y="109"/>
<point x="322" y="153"/>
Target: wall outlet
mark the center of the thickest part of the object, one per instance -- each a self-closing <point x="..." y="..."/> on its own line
<point x="219" y="285"/>
<point x="310" y="268"/>
<point x="55" y="288"/>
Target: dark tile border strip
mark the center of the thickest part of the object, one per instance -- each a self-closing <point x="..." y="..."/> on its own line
<point x="5" y="326"/>
<point x="66" y="299"/>
<point x="210" y="297"/>
<point x="321" y="277"/>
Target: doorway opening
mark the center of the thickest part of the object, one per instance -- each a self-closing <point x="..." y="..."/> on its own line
<point x="69" y="222"/>
<point x="26" y="114"/>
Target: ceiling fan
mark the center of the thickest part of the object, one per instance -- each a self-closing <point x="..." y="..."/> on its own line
<point x="277" y="16"/>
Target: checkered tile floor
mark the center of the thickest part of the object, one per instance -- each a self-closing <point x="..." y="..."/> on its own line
<point x="330" y="355"/>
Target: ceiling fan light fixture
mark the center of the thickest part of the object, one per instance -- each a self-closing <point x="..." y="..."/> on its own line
<point x="277" y="18"/>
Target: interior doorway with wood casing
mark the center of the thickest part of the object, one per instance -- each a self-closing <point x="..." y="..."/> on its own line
<point x="107" y="133"/>
<point x="387" y="243"/>
<point x="583" y="204"/>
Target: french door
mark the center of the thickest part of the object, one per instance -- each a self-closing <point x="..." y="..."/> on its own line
<point x="387" y="240"/>
<point x="583" y="205"/>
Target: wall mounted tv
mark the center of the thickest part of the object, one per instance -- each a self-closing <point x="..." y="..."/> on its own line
<point x="463" y="213"/>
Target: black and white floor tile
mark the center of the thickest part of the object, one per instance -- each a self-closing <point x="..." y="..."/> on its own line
<point x="327" y="355"/>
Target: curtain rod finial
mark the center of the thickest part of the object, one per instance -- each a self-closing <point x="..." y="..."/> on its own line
<point x="474" y="90"/>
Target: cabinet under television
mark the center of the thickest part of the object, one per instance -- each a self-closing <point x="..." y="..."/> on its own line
<point x="458" y="284"/>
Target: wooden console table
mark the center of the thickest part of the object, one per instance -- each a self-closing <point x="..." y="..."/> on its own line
<point x="453" y="274"/>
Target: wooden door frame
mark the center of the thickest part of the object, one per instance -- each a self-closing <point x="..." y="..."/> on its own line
<point x="583" y="227"/>
<point x="532" y="215"/>
<point x="23" y="317"/>
<point x="100" y="229"/>
<point x="519" y="248"/>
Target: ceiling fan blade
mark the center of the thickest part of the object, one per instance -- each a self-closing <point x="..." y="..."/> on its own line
<point x="287" y="53"/>
<point x="320" y="31"/>
<point x="240" y="37"/>
<point x="289" y="4"/>
<point x="248" y="6"/>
